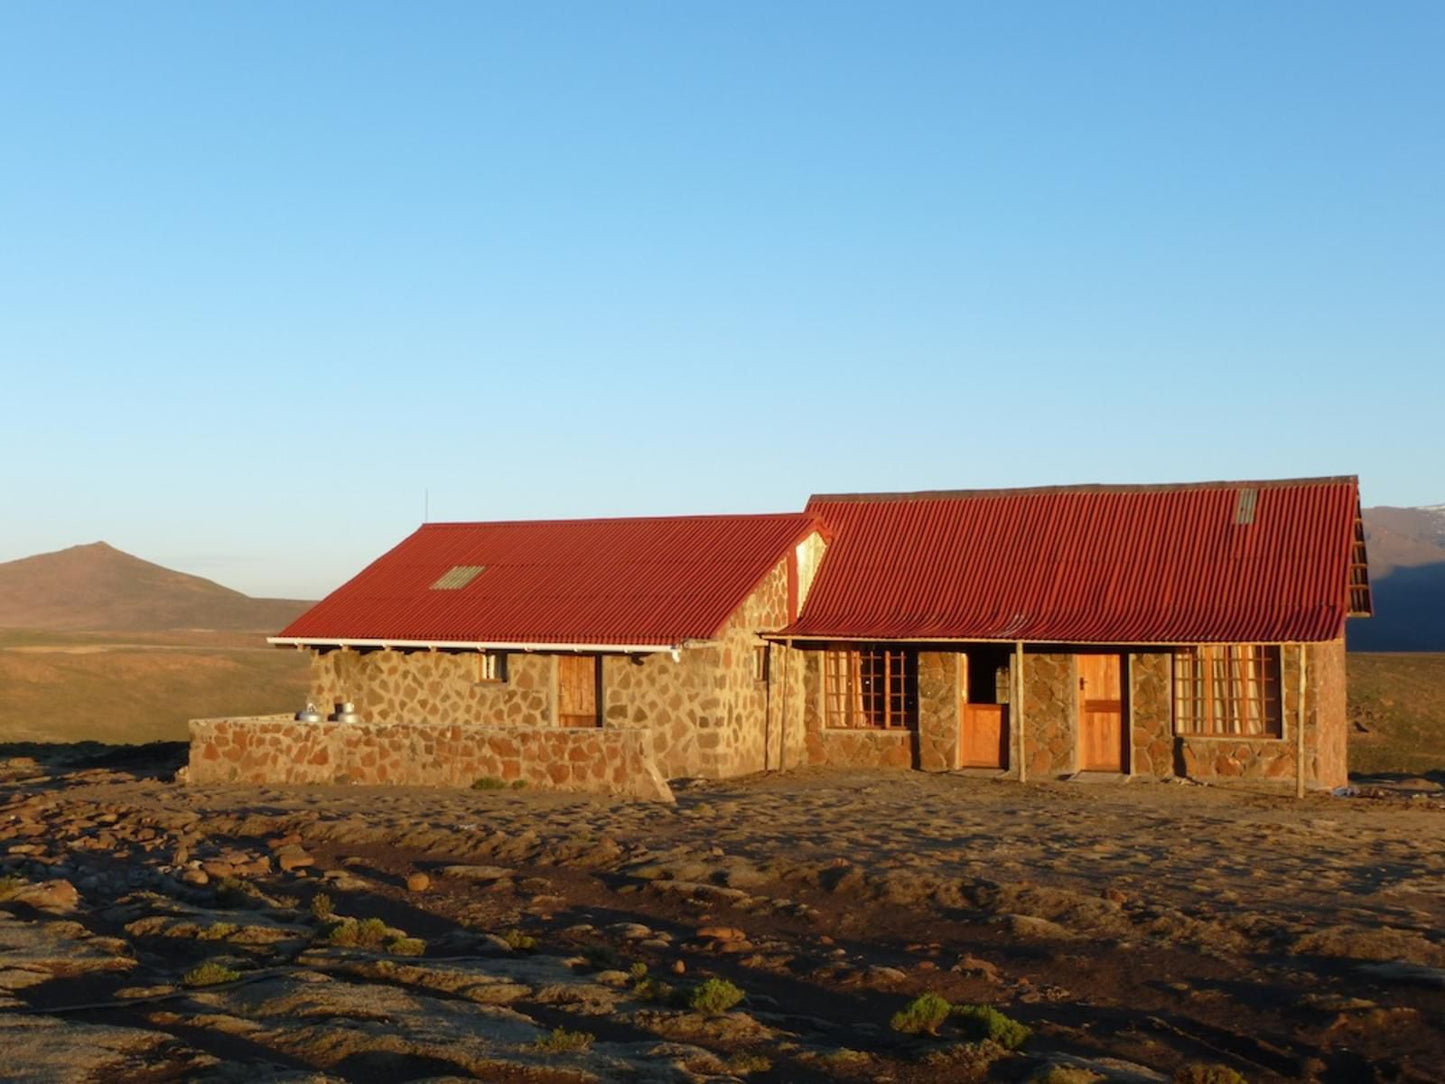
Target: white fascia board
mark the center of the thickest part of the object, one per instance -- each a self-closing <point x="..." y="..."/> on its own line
<point x="469" y="645"/>
<point x="781" y="638"/>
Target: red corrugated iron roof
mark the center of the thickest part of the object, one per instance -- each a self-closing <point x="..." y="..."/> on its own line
<point x="655" y="581"/>
<point x="1088" y="564"/>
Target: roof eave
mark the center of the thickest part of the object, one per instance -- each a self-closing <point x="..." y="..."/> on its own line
<point x="480" y="645"/>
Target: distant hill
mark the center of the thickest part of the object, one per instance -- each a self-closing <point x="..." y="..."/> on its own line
<point x="99" y="587"/>
<point x="1407" y="580"/>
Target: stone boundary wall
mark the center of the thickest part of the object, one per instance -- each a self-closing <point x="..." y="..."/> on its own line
<point x="278" y="749"/>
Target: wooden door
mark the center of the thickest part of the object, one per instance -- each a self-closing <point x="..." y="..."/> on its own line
<point x="984" y="738"/>
<point x="577" y="690"/>
<point x="1101" y="713"/>
<point x="983" y="728"/>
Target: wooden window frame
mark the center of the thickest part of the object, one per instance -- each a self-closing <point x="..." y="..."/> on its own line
<point x="1232" y="691"/>
<point x="870" y="687"/>
<point x="761" y="663"/>
<point x="491" y="668"/>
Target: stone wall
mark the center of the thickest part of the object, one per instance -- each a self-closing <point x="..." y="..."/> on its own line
<point x="1325" y="729"/>
<point x="1151" y="698"/>
<point x="1326" y="677"/>
<point x="932" y="747"/>
<point x="433" y="686"/>
<point x="938" y="717"/>
<point x="1050" y="713"/>
<point x="278" y="749"/>
<point x="706" y="714"/>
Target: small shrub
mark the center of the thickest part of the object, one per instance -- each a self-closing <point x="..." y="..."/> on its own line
<point x="561" y="1041"/>
<point x="489" y="782"/>
<point x="984" y="1023"/>
<point x="518" y="941"/>
<point x="406" y="946"/>
<point x="218" y="931"/>
<point x="10" y="884"/>
<point x="374" y="935"/>
<point x="743" y="1064"/>
<point x="713" y="997"/>
<point x="234" y="892"/>
<point x="519" y="784"/>
<point x="650" y="989"/>
<point x="922" y="1015"/>
<point x="209" y="973"/>
<point x="1198" y="1072"/>
<point x="321" y="906"/>
<point x="637" y="972"/>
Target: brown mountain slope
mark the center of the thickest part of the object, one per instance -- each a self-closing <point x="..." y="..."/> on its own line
<point x="1407" y="580"/>
<point x="99" y="587"/>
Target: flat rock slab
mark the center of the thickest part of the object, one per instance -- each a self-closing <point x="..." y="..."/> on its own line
<point x="35" y="952"/>
<point x="47" y="1050"/>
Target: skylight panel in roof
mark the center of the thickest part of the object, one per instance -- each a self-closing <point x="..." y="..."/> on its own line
<point x="457" y="577"/>
<point x="1244" y="509"/>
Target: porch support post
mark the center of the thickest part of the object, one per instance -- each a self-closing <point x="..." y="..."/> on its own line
<point x="552" y="690"/>
<point x="1299" y="729"/>
<point x="1018" y="708"/>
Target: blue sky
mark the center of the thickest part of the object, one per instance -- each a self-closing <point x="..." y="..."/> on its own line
<point x="269" y="273"/>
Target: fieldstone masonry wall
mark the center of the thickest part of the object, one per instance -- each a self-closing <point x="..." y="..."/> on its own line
<point x="1152" y="740"/>
<point x="278" y="749"/>
<point x="1050" y="713"/>
<point x="932" y="748"/>
<point x="433" y="686"/>
<point x="1325" y="729"/>
<point x="706" y="714"/>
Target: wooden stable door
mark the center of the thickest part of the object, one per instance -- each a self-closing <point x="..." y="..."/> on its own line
<point x="984" y="737"/>
<point x="1101" y="713"/>
<point x="983" y="727"/>
<point x="577" y="690"/>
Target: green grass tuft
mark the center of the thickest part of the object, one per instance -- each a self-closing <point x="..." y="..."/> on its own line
<point x="518" y="941"/>
<point x="713" y="997"/>
<point x="373" y="935"/>
<point x="984" y="1023"/>
<point x="561" y="1041"/>
<point x="489" y="782"/>
<point x="921" y="1016"/>
<point x="1198" y="1072"/>
<point x="209" y="973"/>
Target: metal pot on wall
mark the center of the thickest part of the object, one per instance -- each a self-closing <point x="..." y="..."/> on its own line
<point x="345" y="713"/>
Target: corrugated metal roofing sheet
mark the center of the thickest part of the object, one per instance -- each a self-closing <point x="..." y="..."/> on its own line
<point x="642" y="581"/>
<point x="1093" y="564"/>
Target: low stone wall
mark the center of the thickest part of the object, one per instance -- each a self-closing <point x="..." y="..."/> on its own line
<point x="278" y="749"/>
<point x="862" y="748"/>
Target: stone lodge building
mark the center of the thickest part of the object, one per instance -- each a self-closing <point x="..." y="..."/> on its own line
<point x="1122" y="631"/>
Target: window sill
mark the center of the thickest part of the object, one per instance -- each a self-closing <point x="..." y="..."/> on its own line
<point x="1234" y="737"/>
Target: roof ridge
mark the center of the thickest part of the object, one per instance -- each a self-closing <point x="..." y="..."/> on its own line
<point x="800" y="515"/>
<point x="1088" y="487"/>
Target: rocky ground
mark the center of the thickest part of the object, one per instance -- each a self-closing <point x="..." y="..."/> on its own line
<point x="151" y="931"/>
